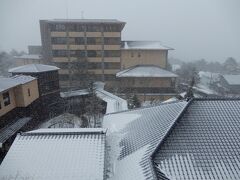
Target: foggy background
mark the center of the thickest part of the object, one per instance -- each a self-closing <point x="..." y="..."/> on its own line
<point x="196" y="29"/>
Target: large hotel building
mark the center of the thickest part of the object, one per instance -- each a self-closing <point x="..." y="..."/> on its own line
<point x="83" y="48"/>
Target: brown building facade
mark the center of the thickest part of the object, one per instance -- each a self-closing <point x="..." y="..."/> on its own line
<point x="82" y="48"/>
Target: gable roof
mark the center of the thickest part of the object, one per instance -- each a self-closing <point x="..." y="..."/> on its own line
<point x="203" y="144"/>
<point x="232" y="79"/>
<point x="145" y="71"/>
<point x="33" y="68"/>
<point x="133" y="137"/>
<point x="198" y="139"/>
<point x="56" y="154"/>
<point x="144" y="45"/>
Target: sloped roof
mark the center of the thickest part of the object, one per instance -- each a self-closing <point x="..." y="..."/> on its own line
<point x="33" y="68"/>
<point x="146" y="45"/>
<point x="8" y="131"/>
<point x="7" y="83"/>
<point x="145" y="71"/>
<point x="56" y="154"/>
<point x="10" y="82"/>
<point x="204" y="143"/>
<point x="22" y="79"/>
<point x="30" y="56"/>
<point x="198" y="139"/>
<point x="133" y="137"/>
<point x="232" y="79"/>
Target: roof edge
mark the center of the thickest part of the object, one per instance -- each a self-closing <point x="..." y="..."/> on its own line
<point x="168" y="132"/>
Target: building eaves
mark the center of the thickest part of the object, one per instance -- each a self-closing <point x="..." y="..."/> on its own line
<point x="33" y="68"/>
<point x="145" y="71"/>
<point x="8" y="131"/>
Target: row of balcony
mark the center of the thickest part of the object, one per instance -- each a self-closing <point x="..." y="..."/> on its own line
<point x="88" y="34"/>
<point x="89" y="59"/>
<point x="82" y="47"/>
<point x="95" y="71"/>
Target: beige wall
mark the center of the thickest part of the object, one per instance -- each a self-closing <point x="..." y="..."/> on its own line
<point x="19" y="96"/>
<point x="146" y="82"/>
<point x="152" y="57"/>
<point x="21" y="93"/>
<point x="21" y="62"/>
<point x="12" y="105"/>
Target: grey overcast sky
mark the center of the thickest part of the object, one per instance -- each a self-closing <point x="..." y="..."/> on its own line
<point x="196" y="29"/>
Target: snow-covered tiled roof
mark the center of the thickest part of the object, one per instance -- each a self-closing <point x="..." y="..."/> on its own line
<point x="232" y="79"/>
<point x="33" y="68"/>
<point x="203" y="144"/>
<point x="146" y="45"/>
<point x="7" y="83"/>
<point x="145" y="71"/>
<point x="56" y="154"/>
<point x="29" y="56"/>
<point x="134" y="135"/>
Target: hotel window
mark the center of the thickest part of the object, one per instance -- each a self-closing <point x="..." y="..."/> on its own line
<point x="112" y="41"/>
<point x="6" y="98"/>
<point x="29" y="93"/>
<point x="132" y="54"/>
<point x="94" y="40"/>
<point x="93" y="28"/>
<point x="139" y="54"/>
<point x="112" y="53"/>
<point x="60" y="27"/>
<point x="94" y="53"/>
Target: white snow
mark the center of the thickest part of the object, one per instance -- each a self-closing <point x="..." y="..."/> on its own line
<point x="116" y="122"/>
<point x="73" y="156"/>
<point x="64" y="120"/>
<point x="7" y="83"/>
<point x="232" y="79"/>
<point x="33" y="68"/>
<point x="145" y="71"/>
<point x="114" y="103"/>
<point x="10" y="82"/>
<point x="23" y="78"/>
<point x="145" y="45"/>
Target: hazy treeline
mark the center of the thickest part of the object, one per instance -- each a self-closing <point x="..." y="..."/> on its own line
<point x="7" y="60"/>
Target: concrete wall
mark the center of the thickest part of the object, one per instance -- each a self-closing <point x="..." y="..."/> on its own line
<point x="136" y="57"/>
<point x="4" y="109"/>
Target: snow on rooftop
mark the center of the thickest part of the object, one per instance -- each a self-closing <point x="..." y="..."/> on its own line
<point x="232" y="79"/>
<point x="114" y="103"/>
<point x="86" y="21"/>
<point x="33" y="68"/>
<point x="144" y="45"/>
<point x="29" y="56"/>
<point x="56" y="156"/>
<point x="23" y="78"/>
<point x="10" y="82"/>
<point x="134" y="135"/>
<point x="7" y="83"/>
<point x="145" y="71"/>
